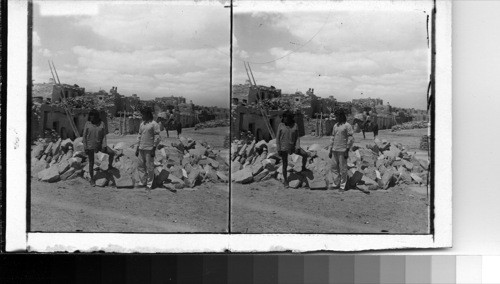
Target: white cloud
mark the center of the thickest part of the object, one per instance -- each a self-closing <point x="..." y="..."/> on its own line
<point x="359" y="31"/>
<point x="46" y="52"/>
<point x="154" y="49"/>
<point x="201" y="74"/>
<point x="160" y="25"/>
<point x="345" y="53"/>
<point x="67" y="8"/>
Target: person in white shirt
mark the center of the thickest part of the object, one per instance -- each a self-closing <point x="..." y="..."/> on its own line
<point x="341" y="141"/>
<point x="147" y="141"/>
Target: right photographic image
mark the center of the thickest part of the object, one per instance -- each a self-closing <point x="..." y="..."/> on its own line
<point x="330" y="120"/>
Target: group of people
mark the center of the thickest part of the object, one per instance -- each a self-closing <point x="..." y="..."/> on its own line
<point x="288" y="142"/>
<point x="94" y="141"/>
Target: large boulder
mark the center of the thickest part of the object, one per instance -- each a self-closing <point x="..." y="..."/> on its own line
<point x="243" y="176"/>
<point x="322" y="154"/>
<point x="124" y="182"/>
<point x="77" y="173"/>
<point x="68" y="173"/>
<point x="259" y="145"/>
<point x="354" y="178"/>
<point x="393" y="152"/>
<point x="407" y="164"/>
<point x="271" y="146"/>
<point x="78" y="140"/>
<point x="176" y="171"/>
<point x="269" y="164"/>
<point x="294" y="180"/>
<point x="388" y="179"/>
<point x="102" y="160"/>
<point x="424" y="164"/>
<point x="315" y="148"/>
<point x="315" y="184"/>
<point x="404" y="175"/>
<point x="215" y="164"/>
<point x="222" y="176"/>
<point x="368" y="157"/>
<point x="66" y="144"/>
<point x="198" y="151"/>
<point x="75" y="162"/>
<point x="56" y="147"/>
<point x="174" y="179"/>
<point x="235" y="148"/>
<point x="257" y="168"/>
<point x="382" y="146"/>
<point x="371" y="172"/>
<point x="48" y="149"/>
<point x="417" y="178"/>
<point x="235" y="166"/>
<point x="161" y="175"/>
<point x="260" y="176"/>
<point x="368" y="181"/>
<point x="63" y="167"/>
<point x="250" y="149"/>
<point x="102" y="178"/>
<point x="101" y="182"/>
<point x="194" y="178"/>
<point x="49" y="175"/>
<point x="242" y="150"/>
<point x="38" y="150"/>
<point x="210" y="173"/>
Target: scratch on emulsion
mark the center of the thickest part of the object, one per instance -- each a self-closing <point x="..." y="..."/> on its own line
<point x="16" y="140"/>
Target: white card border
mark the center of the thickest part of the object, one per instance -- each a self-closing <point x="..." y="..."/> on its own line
<point x="17" y="239"/>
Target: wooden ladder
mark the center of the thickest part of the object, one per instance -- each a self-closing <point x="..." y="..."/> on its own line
<point x="262" y="112"/>
<point x="71" y="122"/>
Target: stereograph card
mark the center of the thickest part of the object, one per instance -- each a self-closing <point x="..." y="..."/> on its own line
<point x="240" y="126"/>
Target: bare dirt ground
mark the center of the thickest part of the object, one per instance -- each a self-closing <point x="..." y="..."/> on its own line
<point x="267" y="207"/>
<point x="74" y="206"/>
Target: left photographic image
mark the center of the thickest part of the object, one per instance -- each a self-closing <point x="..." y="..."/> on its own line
<point x="129" y="122"/>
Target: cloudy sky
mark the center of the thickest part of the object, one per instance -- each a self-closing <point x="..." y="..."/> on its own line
<point x="345" y="53"/>
<point x="152" y="50"/>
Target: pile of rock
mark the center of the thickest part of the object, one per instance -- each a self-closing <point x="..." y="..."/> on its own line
<point x="424" y="143"/>
<point x="184" y="163"/>
<point x="410" y="125"/>
<point x="212" y="124"/>
<point x="378" y="166"/>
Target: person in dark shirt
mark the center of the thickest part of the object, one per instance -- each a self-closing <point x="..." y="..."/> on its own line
<point x="177" y="122"/>
<point x="287" y="142"/>
<point x="94" y="141"/>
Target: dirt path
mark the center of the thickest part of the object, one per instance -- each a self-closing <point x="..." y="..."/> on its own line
<point x="75" y="206"/>
<point x="267" y="207"/>
<point x="70" y="206"/>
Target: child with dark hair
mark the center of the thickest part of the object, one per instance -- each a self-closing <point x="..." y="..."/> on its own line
<point x="147" y="141"/>
<point x="341" y="141"/>
<point x="94" y="141"/>
<point x="287" y="142"/>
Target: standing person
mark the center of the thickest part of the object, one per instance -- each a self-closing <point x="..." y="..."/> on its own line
<point x="170" y="121"/>
<point x="367" y="120"/>
<point x="287" y="142"/>
<point x="163" y="121"/>
<point x="148" y="139"/>
<point x="177" y="122"/>
<point x="341" y="141"/>
<point x="94" y="141"/>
